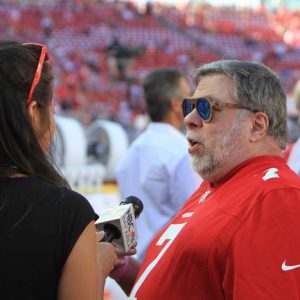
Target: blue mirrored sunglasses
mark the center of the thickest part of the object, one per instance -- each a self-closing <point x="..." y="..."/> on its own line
<point x="205" y="107"/>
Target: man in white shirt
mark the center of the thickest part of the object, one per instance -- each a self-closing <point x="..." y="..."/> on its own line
<point x="156" y="167"/>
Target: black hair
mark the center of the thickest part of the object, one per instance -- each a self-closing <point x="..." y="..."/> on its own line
<point x="20" y="151"/>
<point x="160" y="86"/>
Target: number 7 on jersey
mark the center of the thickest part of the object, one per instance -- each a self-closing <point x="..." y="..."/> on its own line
<point x="170" y="234"/>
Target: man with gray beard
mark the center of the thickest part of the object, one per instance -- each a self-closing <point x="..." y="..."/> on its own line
<point x="237" y="237"/>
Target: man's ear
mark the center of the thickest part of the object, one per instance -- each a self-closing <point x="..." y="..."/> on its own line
<point x="175" y="105"/>
<point x="34" y="114"/>
<point x="260" y="126"/>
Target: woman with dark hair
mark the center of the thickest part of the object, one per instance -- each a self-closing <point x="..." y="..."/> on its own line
<point x="47" y="233"/>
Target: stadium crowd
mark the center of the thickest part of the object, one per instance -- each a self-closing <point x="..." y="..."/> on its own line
<point x="92" y="81"/>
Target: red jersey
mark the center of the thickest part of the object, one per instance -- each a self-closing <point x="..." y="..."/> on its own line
<point x="239" y="240"/>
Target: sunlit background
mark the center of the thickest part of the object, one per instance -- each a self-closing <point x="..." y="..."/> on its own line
<point x="94" y="80"/>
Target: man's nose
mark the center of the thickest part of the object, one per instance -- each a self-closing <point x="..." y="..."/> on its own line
<point x="193" y="120"/>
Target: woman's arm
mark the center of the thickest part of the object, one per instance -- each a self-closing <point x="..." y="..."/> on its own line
<point x="106" y="259"/>
<point x="83" y="276"/>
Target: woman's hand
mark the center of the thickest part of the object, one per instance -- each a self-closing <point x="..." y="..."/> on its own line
<point x="106" y="255"/>
<point x="122" y="255"/>
<point x="122" y="262"/>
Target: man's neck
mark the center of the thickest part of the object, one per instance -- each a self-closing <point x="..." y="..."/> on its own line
<point x="173" y="121"/>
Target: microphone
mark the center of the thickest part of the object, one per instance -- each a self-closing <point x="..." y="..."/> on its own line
<point x="118" y="223"/>
<point x="111" y="232"/>
<point x="137" y="204"/>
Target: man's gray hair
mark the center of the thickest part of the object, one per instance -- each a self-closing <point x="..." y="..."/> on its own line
<point x="256" y="87"/>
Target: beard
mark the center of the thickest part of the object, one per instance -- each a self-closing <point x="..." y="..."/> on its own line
<point x="210" y="159"/>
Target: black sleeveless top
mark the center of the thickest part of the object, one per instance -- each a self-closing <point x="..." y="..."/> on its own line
<point x="39" y="225"/>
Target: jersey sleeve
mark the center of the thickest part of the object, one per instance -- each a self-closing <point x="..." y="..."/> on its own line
<point x="75" y="213"/>
<point x="263" y="260"/>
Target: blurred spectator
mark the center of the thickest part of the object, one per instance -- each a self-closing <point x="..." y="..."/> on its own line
<point x="47" y="25"/>
<point x="149" y="8"/>
<point x="122" y="56"/>
<point x="135" y="96"/>
<point x="14" y="21"/>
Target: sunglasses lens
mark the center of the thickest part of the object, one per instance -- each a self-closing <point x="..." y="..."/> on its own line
<point x="204" y="109"/>
<point x="187" y="107"/>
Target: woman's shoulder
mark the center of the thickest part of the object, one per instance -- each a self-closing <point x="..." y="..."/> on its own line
<point x="49" y="193"/>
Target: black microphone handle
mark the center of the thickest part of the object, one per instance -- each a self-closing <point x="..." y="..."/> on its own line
<point x="111" y="232"/>
<point x="108" y="237"/>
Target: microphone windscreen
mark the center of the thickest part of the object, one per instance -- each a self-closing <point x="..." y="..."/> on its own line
<point x="136" y="203"/>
